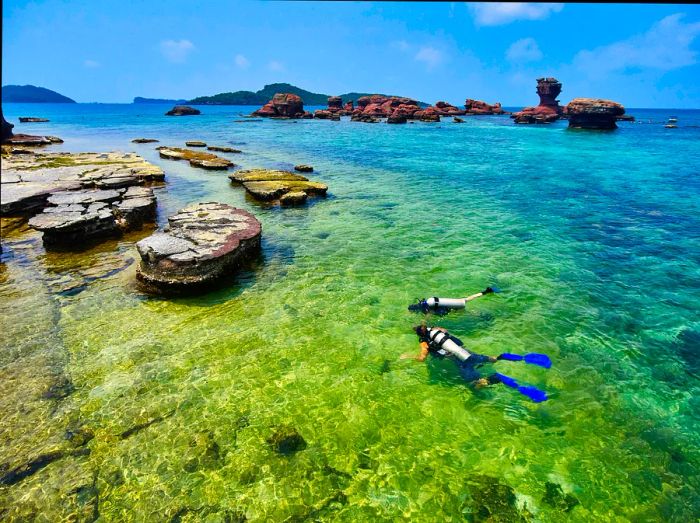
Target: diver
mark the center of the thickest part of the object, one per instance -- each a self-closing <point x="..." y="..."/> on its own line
<point x="438" y="342"/>
<point x="442" y="306"/>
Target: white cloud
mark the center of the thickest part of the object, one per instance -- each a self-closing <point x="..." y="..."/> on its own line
<point x="499" y="13"/>
<point x="241" y="61"/>
<point x="524" y="50"/>
<point x="276" y="66"/>
<point x="176" y="51"/>
<point x="91" y="64"/>
<point x="665" y="46"/>
<point x="430" y="56"/>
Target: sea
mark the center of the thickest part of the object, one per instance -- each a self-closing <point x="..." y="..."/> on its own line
<point x="120" y="406"/>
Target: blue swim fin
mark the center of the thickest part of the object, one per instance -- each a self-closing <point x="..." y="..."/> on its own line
<point x="533" y="393"/>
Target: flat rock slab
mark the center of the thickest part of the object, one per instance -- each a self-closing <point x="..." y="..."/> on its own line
<point x="202" y="243"/>
<point x="144" y="140"/>
<point x="28" y="180"/>
<point x="272" y="185"/>
<point x="75" y="217"/>
<point x="195" y="143"/>
<point x="196" y="158"/>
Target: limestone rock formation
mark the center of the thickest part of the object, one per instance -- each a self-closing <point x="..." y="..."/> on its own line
<point x="196" y="158"/>
<point x="271" y="185"/>
<point x="478" y="107"/>
<point x="74" y="217"/>
<point x="283" y="105"/>
<point x="548" y="110"/>
<point x="28" y="180"/>
<point x="593" y="113"/>
<point x="183" y="110"/>
<point x="203" y="243"/>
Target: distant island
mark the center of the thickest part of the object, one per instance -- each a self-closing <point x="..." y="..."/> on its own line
<point x="261" y="97"/>
<point x="32" y="94"/>
<point x="141" y="100"/>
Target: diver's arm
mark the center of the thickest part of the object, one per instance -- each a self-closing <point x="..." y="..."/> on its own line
<point x="474" y="296"/>
<point x="423" y="353"/>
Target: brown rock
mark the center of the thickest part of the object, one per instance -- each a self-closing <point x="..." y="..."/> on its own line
<point x="204" y="243"/>
<point x="293" y="198"/>
<point x="446" y="109"/>
<point x="478" y="107"/>
<point x="548" y="110"/>
<point x="221" y="149"/>
<point x="283" y="105"/>
<point x="302" y="168"/>
<point x="144" y="140"/>
<point x="183" y="110"/>
<point x="195" y="143"/>
<point x="593" y="113"/>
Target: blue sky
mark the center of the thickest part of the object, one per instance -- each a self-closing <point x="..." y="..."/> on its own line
<point x="110" y="51"/>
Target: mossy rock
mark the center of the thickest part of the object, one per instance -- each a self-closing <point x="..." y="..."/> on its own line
<point x="492" y="501"/>
<point x="196" y="158"/>
<point x="293" y="198"/>
<point x="286" y="440"/>
<point x="272" y="190"/>
<point x="265" y="175"/>
<point x="555" y="497"/>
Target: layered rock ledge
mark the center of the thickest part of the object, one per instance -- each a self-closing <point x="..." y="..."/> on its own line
<point x="28" y="180"/>
<point x="74" y="217"/>
<point x="273" y="185"/>
<point x="202" y="243"/>
<point x="594" y="113"/>
<point x="196" y="158"/>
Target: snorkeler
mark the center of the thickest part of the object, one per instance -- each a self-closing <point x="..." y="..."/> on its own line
<point x="442" y="306"/>
<point x="438" y="342"/>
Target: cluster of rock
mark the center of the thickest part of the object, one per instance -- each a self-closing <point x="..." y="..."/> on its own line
<point x="201" y="244"/>
<point x="335" y="109"/>
<point x="284" y="105"/>
<point x="582" y="113"/>
<point x="79" y="196"/>
<point x="271" y="185"/>
<point x="195" y="158"/>
<point x="183" y="110"/>
<point x="477" y="107"/>
<point x="9" y="138"/>
<point x="548" y="110"/>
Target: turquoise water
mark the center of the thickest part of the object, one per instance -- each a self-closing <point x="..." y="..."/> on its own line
<point x="594" y="239"/>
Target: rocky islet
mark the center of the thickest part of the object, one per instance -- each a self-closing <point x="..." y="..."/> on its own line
<point x="271" y="185"/>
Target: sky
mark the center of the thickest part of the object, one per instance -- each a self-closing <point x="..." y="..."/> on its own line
<point x="111" y="51"/>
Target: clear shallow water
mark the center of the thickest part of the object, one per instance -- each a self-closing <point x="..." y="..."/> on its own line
<point x="594" y="239"/>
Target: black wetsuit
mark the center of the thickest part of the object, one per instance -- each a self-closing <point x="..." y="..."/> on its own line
<point x="467" y="368"/>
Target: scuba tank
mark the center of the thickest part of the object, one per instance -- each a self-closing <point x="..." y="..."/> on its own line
<point x="445" y="345"/>
<point x="442" y="306"/>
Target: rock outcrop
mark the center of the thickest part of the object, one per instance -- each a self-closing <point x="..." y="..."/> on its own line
<point x="446" y="109"/>
<point x="144" y="140"/>
<point x="31" y="119"/>
<point x="223" y="149"/>
<point x="74" y="217"/>
<point x="272" y="185"/>
<point x="196" y="158"/>
<point x="283" y="105"/>
<point x="379" y="106"/>
<point x="429" y="114"/>
<point x="478" y="107"/>
<point x="203" y="243"/>
<point x="303" y="168"/>
<point x="593" y="113"/>
<point x="548" y="110"/>
<point x="6" y="132"/>
<point x="183" y="110"/>
<point x="335" y="108"/>
<point x="195" y="143"/>
<point x="28" y="180"/>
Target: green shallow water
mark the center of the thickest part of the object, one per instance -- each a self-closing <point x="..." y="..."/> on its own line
<point x="593" y="238"/>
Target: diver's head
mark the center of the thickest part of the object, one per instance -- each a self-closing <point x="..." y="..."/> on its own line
<point x="420" y="329"/>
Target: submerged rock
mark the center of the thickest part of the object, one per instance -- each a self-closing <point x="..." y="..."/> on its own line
<point x="195" y="143"/>
<point x="31" y="119"/>
<point x="493" y="501"/>
<point x="183" y="110"/>
<point x="221" y="149"/>
<point x="286" y="440"/>
<point x="144" y="140"/>
<point x="270" y="185"/>
<point x="203" y="243"/>
<point x="593" y="113"/>
<point x="555" y="497"/>
<point x="196" y="158"/>
<point x="457" y="119"/>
